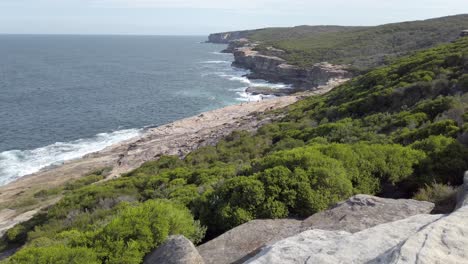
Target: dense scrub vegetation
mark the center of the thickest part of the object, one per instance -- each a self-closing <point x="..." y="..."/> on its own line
<point x="362" y="47"/>
<point x="397" y="131"/>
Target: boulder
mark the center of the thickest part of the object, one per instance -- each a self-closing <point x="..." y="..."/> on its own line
<point x="355" y="214"/>
<point x="176" y="250"/>
<point x="363" y="211"/>
<point x="321" y="246"/>
<point x="418" y="239"/>
<point x="239" y="243"/>
<point x="444" y="241"/>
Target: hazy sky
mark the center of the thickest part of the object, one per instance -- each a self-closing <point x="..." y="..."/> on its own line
<point x="188" y="17"/>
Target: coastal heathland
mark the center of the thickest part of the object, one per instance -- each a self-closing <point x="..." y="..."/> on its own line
<point x="394" y="131"/>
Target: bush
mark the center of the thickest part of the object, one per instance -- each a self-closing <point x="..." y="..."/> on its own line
<point x="57" y="254"/>
<point x="443" y="196"/>
<point x="138" y="229"/>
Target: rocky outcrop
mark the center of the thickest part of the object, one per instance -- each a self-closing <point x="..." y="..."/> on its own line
<point x="176" y="250"/>
<point x="240" y="242"/>
<point x="236" y="44"/>
<point x="464" y="33"/>
<point x="275" y="69"/>
<point x="357" y="213"/>
<point x="9" y="218"/>
<point x="422" y="238"/>
<point x="364" y="211"/>
<point x="268" y="64"/>
<point x="443" y="241"/>
<point x="321" y="246"/>
<point x="226" y="37"/>
<point x="256" y="90"/>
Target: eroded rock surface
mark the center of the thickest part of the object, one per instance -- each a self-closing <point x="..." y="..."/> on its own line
<point x="321" y="246"/>
<point x="276" y="69"/>
<point x="364" y="211"/>
<point x="238" y="243"/>
<point x="443" y="241"/>
<point x="176" y="250"/>
<point x="355" y="214"/>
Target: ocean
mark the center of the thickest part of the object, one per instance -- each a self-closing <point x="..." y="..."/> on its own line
<point x="62" y="97"/>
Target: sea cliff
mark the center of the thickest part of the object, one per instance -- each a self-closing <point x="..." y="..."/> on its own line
<point x="227" y="37"/>
<point x="267" y="63"/>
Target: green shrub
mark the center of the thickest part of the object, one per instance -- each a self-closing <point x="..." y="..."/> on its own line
<point x="138" y="229"/>
<point x="57" y="254"/>
<point x="443" y="196"/>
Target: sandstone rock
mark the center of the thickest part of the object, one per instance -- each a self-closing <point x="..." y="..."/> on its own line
<point x="238" y="243"/>
<point x="363" y="211"/>
<point x="9" y="218"/>
<point x="235" y="44"/>
<point x="357" y="213"/>
<point x="226" y="37"/>
<point x="276" y="69"/>
<point x="256" y="90"/>
<point x="320" y="246"/>
<point x="176" y="250"/>
<point x="443" y="241"/>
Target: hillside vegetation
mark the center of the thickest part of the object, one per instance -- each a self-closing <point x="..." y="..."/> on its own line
<point x="362" y="47"/>
<point x="394" y="131"/>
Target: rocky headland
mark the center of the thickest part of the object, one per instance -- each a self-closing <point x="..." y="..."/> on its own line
<point x="267" y="64"/>
<point x="227" y="37"/>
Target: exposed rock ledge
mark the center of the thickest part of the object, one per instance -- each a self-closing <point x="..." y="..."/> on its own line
<point x="176" y="250"/>
<point x="276" y="69"/>
<point x="227" y="37"/>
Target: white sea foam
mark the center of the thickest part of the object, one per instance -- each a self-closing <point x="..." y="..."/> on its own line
<point x="17" y="163"/>
<point x="221" y="53"/>
<point x="216" y="62"/>
<point x="248" y="97"/>
<point x="239" y="75"/>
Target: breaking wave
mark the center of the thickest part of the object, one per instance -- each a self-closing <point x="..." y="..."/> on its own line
<point x="17" y="163"/>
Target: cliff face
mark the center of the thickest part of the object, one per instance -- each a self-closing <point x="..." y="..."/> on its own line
<point x="273" y="68"/>
<point x="269" y="65"/>
<point x="226" y="37"/>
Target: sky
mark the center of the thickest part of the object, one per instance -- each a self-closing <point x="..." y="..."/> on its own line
<point x="201" y="17"/>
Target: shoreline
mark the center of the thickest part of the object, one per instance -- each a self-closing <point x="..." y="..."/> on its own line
<point x="176" y="138"/>
<point x="210" y="120"/>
